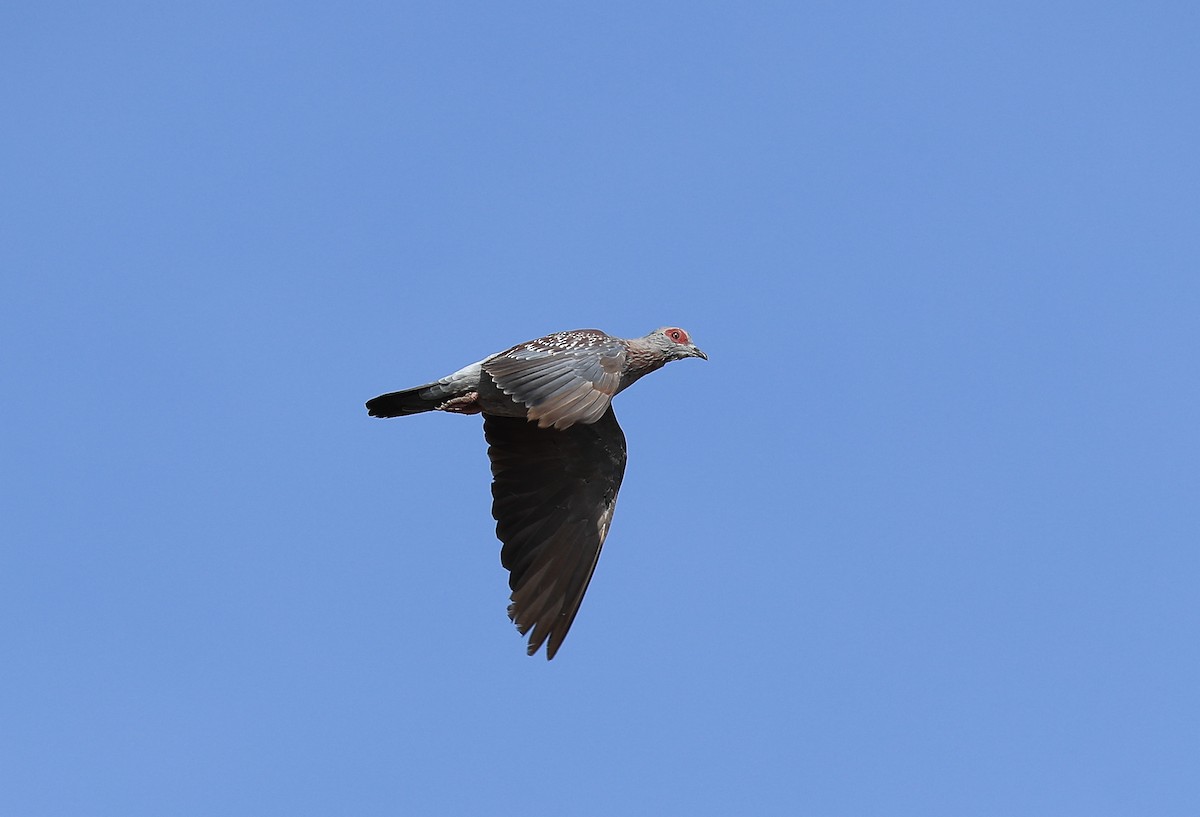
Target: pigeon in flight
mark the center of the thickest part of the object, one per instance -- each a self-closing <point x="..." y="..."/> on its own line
<point x="557" y="456"/>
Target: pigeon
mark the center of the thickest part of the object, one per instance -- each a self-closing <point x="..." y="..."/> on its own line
<point x="557" y="456"/>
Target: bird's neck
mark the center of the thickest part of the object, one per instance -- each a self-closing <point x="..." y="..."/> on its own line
<point x="640" y="359"/>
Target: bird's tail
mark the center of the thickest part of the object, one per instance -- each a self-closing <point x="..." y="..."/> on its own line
<point x="454" y="392"/>
<point x="409" y="401"/>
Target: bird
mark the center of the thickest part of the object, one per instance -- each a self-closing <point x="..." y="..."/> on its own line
<point x="557" y="456"/>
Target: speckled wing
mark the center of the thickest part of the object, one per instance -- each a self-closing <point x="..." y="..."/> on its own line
<point x="564" y="378"/>
<point x="553" y="498"/>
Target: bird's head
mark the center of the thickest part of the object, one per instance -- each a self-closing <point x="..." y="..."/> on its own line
<point x="675" y="343"/>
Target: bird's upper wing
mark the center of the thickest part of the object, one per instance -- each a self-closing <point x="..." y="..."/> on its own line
<point x="553" y="497"/>
<point x="564" y="378"/>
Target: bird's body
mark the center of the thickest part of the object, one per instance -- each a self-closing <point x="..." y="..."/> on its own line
<point x="555" y="482"/>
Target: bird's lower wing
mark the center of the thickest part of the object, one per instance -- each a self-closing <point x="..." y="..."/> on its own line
<point x="553" y="494"/>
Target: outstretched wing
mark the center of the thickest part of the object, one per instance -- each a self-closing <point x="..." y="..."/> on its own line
<point x="553" y="494"/>
<point x="564" y="378"/>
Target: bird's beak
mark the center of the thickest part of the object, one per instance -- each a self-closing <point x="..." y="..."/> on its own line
<point x="696" y="351"/>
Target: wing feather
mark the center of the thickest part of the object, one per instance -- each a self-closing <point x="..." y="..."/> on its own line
<point x="554" y="491"/>
<point x="554" y="376"/>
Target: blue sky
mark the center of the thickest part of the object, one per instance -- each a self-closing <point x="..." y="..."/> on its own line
<point x="921" y="538"/>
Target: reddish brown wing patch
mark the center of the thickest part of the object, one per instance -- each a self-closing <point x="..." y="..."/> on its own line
<point x="564" y="378"/>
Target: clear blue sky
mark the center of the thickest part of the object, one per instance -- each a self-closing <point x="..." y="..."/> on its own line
<point x="922" y="538"/>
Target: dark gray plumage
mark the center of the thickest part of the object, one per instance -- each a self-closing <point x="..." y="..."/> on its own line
<point x="555" y="481"/>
